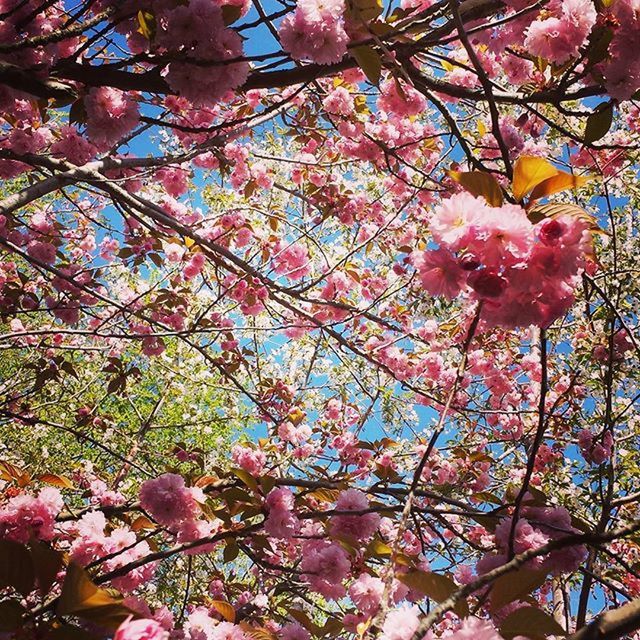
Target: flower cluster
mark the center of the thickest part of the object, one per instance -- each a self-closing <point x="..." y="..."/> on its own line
<point x="315" y="31"/>
<point x="25" y="515"/>
<point x="524" y="273"/>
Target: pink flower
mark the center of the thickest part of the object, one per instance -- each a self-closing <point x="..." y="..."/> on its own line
<point x="294" y="631"/>
<point x="454" y="219"/>
<point x="325" y="565"/>
<point x="73" y="147"/>
<point x="339" y="102"/>
<point x="251" y="460"/>
<point x="281" y="521"/>
<point x="42" y="251"/>
<point x="366" y="593"/>
<point x="401" y="623"/>
<point x="175" y="180"/>
<point x="401" y="99"/>
<point x="315" y="31"/>
<point x="559" y="38"/>
<point x="24" y="515"/>
<point x="141" y="629"/>
<point x="439" y="272"/>
<point x="292" y="261"/>
<point x="359" y="527"/>
<point x="199" y="625"/>
<point x="198" y="28"/>
<point x="111" y="114"/>
<point x="168" y="500"/>
<point x="475" y="629"/>
<point x="487" y="284"/>
<point x="194" y="266"/>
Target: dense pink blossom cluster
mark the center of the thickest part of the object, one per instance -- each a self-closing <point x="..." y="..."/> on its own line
<point x="325" y="564"/>
<point x="315" y="31"/>
<point x="24" y="515"/>
<point x="121" y="545"/>
<point x="111" y="114"/>
<point x="281" y="521"/>
<point x="197" y="30"/>
<point x="524" y="273"/>
<point x="359" y="527"/>
<point x="169" y="501"/>
<point x="559" y="36"/>
<point x="536" y="527"/>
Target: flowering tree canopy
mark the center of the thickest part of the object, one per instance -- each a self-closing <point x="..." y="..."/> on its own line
<point x="319" y="319"/>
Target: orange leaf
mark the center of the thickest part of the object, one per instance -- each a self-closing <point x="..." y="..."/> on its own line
<point x="559" y="182"/>
<point x="142" y="522"/>
<point x="528" y="173"/>
<point x="257" y="633"/>
<point x="479" y="183"/>
<point x="82" y="598"/>
<point x="56" y="480"/>
<point x="224" y="609"/>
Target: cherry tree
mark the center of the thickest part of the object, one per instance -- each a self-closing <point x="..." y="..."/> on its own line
<point x="319" y="319"/>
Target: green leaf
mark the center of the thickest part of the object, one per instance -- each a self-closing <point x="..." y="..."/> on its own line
<point x="370" y="62"/>
<point x="230" y="552"/>
<point x="147" y="24"/>
<point x="512" y="586"/>
<point x="246" y="477"/>
<point x="379" y="548"/>
<point x="598" y="123"/>
<point x="479" y="183"/>
<point x="530" y="622"/>
<point x="435" y="585"/>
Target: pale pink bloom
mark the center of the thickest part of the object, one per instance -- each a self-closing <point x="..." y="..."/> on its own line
<point x="292" y="261"/>
<point x="473" y="628"/>
<point x="401" y="623"/>
<point x="24" y="516"/>
<point x="73" y="147"/>
<point x="315" y="31"/>
<point x="141" y="629"/>
<point x="199" y="625"/>
<point x="325" y="565"/>
<point x="366" y="593"/>
<point x="339" y="102"/>
<point x="453" y="220"/>
<point x="251" y="460"/>
<point x="401" y="99"/>
<point x="281" y="521"/>
<point x="194" y="266"/>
